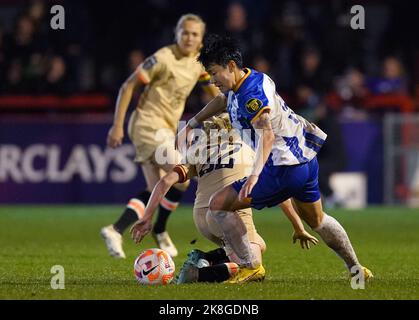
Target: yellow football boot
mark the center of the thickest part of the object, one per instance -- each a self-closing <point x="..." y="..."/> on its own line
<point x="367" y="274"/>
<point x="248" y="274"/>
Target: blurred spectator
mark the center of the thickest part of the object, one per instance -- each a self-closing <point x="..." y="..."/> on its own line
<point x="25" y="55"/>
<point x="23" y="43"/>
<point x="350" y="94"/>
<point x="261" y="64"/>
<point x="14" y="78"/>
<point x="236" y="18"/>
<point x="238" y="27"/>
<point x="307" y="102"/>
<point x="392" y="79"/>
<point x="352" y="88"/>
<point x="2" y="58"/>
<point x="310" y="71"/>
<point x="56" y="79"/>
<point x="36" y="12"/>
<point x="416" y="97"/>
<point x="286" y="43"/>
<point x="135" y="58"/>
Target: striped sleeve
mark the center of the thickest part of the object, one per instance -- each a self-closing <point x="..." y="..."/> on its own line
<point x="185" y="172"/>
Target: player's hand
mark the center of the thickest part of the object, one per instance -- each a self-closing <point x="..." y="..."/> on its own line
<point x="182" y="140"/>
<point x="115" y="136"/>
<point x="247" y="188"/>
<point x="305" y="239"/>
<point x="140" y="229"/>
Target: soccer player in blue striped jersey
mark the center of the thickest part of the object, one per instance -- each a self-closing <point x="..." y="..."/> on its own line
<point x="286" y="146"/>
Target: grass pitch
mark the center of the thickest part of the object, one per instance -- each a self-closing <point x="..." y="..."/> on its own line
<point x="33" y="239"/>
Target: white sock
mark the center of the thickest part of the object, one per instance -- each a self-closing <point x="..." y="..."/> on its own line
<point x="235" y="235"/>
<point x="332" y="232"/>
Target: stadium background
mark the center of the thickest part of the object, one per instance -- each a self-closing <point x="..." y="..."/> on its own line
<point x="58" y="87"/>
<point x="57" y="94"/>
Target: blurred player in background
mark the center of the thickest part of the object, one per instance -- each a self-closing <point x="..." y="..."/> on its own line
<point x="168" y="77"/>
<point x="285" y="147"/>
<point x="226" y="160"/>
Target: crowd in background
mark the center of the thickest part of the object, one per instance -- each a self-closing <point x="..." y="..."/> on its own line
<point x="323" y="68"/>
<point x="308" y="47"/>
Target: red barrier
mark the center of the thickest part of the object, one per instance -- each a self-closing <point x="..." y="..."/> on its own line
<point x="402" y="102"/>
<point x="79" y="102"/>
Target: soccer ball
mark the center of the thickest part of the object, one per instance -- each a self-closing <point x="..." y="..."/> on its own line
<point x="154" y="266"/>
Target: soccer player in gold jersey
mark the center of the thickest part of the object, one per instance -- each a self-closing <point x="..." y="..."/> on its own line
<point x="224" y="161"/>
<point x="168" y="77"/>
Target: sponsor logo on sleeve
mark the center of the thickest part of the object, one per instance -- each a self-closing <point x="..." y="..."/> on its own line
<point x="253" y="105"/>
<point x="149" y="62"/>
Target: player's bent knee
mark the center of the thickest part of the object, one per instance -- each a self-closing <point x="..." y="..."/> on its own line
<point x="222" y="200"/>
<point x="216" y="202"/>
<point x="315" y="221"/>
<point x="311" y="213"/>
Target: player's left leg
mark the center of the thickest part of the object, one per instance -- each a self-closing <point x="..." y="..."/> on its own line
<point x="212" y="266"/>
<point x="222" y="263"/>
<point x="217" y="273"/>
<point x="227" y="270"/>
<point x="309" y="207"/>
<point x="219" y="267"/>
<point x="332" y="233"/>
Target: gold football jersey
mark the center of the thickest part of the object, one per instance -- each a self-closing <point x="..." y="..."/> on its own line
<point x="234" y="161"/>
<point x="169" y="78"/>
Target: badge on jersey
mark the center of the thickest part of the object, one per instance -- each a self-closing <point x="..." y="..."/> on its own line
<point x="149" y="62"/>
<point x="253" y="105"/>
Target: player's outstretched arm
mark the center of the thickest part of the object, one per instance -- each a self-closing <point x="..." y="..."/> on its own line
<point x="299" y="232"/>
<point x="214" y="107"/>
<point x="142" y="227"/>
<point x="212" y="90"/>
<point x="116" y="132"/>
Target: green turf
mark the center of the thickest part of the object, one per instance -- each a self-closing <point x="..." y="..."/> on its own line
<point x="33" y="239"/>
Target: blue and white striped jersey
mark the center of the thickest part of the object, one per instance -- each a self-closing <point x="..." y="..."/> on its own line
<point x="296" y="139"/>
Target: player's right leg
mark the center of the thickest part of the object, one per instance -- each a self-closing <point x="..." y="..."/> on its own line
<point x="224" y="205"/>
<point x="223" y="208"/>
<point x="134" y="210"/>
